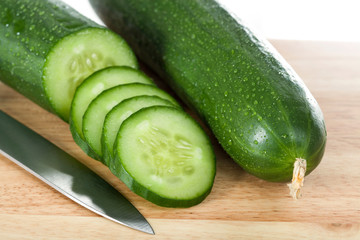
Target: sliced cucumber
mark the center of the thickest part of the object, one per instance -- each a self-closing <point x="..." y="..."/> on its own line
<point x="163" y="155"/>
<point x="94" y="116"/>
<point x="118" y="114"/>
<point x="93" y="86"/>
<point x="75" y="57"/>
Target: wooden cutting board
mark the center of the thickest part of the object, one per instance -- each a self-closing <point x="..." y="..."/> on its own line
<point x="240" y="205"/>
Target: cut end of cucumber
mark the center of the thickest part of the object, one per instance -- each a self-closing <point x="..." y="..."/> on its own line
<point x="168" y="155"/>
<point x="77" y="56"/>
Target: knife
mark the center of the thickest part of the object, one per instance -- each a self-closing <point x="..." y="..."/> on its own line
<point x="61" y="171"/>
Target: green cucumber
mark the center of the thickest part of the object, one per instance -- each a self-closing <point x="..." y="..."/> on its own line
<point x="118" y="114"/>
<point x="256" y="105"/>
<point x="92" y="86"/>
<point x="47" y="49"/>
<point x="93" y="119"/>
<point x="169" y="166"/>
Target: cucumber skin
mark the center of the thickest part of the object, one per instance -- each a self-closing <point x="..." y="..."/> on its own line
<point x="140" y="190"/>
<point x="256" y="105"/>
<point x="83" y="144"/>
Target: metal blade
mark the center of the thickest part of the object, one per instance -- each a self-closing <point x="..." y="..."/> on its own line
<point x="67" y="175"/>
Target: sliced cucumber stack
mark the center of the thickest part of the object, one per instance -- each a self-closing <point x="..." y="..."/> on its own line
<point x="94" y="116"/>
<point x="91" y="87"/>
<point x="118" y="114"/>
<point x="164" y="156"/>
<point x="143" y="135"/>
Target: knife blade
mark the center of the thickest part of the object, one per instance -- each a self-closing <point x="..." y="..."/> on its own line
<point x="67" y="175"/>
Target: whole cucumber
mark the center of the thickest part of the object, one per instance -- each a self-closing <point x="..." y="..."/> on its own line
<point x="256" y="105"/>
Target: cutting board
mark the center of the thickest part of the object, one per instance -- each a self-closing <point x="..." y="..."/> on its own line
<point x="240" y="206"/>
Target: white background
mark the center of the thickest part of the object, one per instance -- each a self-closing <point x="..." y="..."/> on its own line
<point x="332" y="20"/>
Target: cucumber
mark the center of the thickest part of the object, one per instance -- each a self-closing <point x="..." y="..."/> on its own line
<point x="169" y="166"/>
<point x="118" y="114"/>
<point x="47" y="49"/>
<point x="256" y="105"/>
<point x="93" y="86"/>
<point x="93" y="119"/>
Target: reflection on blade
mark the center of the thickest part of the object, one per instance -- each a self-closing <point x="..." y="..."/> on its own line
<point x="67" y="175"/>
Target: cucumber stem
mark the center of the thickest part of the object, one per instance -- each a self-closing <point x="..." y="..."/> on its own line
<point x="298" y="178"/>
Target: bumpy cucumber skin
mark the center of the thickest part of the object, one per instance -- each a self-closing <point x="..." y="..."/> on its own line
<point x="256" y="105"/>
<point x="28" y="31"/>
<point x="118" y="170"/>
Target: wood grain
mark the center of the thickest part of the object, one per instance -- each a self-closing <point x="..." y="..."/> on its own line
<point x="240" y="205"/>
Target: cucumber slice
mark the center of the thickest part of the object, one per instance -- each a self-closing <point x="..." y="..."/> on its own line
<point x="75" y="57"/>
<point x="163" y="155"/>
<point x="118" y="114"/>
<point x="93" y="86"/>
<point x="94" y="116"/>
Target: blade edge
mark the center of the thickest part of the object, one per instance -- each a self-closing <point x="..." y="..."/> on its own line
<point x="144" y="226"/>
